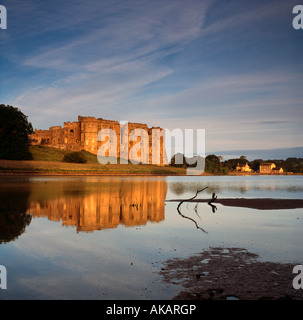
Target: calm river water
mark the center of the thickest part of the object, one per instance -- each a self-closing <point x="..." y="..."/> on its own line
<point x="107" y="237"/>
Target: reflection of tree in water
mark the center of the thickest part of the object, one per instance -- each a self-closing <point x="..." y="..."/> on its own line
<point x="13" y="216"/>
<point x="179" y="188"/>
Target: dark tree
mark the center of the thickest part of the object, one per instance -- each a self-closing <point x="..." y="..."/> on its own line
<point x="255" y="164"/>
<point x="213" y="164"/>
<point x="14" y="131"/>
<point x="178" y="160"/>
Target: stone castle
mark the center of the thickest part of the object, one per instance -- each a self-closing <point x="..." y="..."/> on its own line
<point x="83" y="135"/>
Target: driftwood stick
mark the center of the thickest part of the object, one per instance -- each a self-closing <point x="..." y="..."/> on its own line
<point x="214" y="198"/>
<point x="182" y="215"/>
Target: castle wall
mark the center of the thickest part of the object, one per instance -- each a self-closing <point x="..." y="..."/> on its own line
<point x="72" y="136"/>
<point x="83" y="135"/>
<point x="40" y="137"/>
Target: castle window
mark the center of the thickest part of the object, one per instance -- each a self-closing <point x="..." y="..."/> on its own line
<point x="72" y="131"/>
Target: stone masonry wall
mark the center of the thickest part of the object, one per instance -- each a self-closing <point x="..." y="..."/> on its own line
<point x="83" y="135"/>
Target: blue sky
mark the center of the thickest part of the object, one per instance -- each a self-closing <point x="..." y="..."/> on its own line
<point x="233" y="68"/>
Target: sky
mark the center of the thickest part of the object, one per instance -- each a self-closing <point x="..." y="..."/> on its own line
<point x="233" y="68"/>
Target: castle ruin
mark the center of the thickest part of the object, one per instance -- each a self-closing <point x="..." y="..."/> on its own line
<point x="83" y="135"/>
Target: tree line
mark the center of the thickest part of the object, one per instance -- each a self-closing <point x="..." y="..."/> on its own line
<point x="216" y="165"/>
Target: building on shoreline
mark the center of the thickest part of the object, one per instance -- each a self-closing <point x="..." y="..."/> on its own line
<point x="83" y="135"/>
<point x="270" y="168"/>
<point x="277" y="170"/>
<point x="243" y="168"/>
<point x="266" y="167"/>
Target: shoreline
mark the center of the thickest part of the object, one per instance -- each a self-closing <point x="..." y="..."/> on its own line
<point x="55" y="168"/>
<point x="101" y="174"/>
<point x="83" y="173"/>
<point x="54" y="173"/>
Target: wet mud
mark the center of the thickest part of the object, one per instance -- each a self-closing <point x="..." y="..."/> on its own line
<point x="230" y="274"/>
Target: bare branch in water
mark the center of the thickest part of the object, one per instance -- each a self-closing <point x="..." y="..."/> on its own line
<point x="214" y="198"/>
<point x="182" y="215"/>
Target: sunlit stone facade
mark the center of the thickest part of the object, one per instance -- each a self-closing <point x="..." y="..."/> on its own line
<point x="83" y="135"/>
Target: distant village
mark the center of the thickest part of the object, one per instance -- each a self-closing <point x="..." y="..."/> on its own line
<point x="264" y="168"/>
<point x="216" y="165"/>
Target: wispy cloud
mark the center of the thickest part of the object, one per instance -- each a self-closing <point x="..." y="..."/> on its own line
<point x="116" y="60"/>
<point x="208" y="64"/>
<point x="139" y="28"/>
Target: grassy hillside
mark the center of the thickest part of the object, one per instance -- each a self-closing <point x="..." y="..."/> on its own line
<point x="49" y="161"/>
<point x="41" y="153"/>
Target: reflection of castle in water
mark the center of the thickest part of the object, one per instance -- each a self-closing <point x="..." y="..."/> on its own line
<point x="105" y="205"/>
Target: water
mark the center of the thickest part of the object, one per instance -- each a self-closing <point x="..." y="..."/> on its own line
<point x="107" y="237"/>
